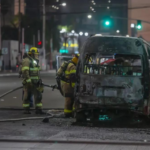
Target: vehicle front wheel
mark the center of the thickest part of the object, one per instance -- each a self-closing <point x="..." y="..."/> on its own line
<point x="80" y="116"/>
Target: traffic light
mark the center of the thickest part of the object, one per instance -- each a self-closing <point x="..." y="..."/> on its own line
<point x="139" y="25"/>
<point x="107" y="22"/>
<point x="39" y="44"/>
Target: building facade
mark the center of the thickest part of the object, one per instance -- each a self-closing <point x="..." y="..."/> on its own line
<point x="138" y="9"/>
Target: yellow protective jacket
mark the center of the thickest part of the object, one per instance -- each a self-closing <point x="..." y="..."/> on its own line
<point x="68" y="87"/>
<point x="30" y="70"/>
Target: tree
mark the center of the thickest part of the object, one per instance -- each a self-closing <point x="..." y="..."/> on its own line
<point x="15" y="21"/>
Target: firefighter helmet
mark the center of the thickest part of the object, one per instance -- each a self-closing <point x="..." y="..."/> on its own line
<point x="75" y="58"/>
<point x="33" y="50"/>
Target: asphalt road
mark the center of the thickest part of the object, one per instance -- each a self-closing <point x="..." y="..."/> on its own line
<point x="51" y="99"/>
<point x="57" y="128"/>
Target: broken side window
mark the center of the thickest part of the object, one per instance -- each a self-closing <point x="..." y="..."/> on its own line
<point x="124" y="65"/>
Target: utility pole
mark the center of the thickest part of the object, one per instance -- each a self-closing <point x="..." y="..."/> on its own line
<point x="0" y="27"/>
<point x="23" y="46"/>
<point x="43" y="43"/>
<point x="0" y="37"/>
<point x="39" y="36"/>
<point x="33" y="40"/>
<point x="19" y="30"/>
<point x="51" y="50"/>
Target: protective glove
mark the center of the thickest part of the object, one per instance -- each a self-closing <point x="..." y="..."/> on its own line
<point x="40" y="88"/>
<point x="29" y="85"/>
<point x="40" y="82"/>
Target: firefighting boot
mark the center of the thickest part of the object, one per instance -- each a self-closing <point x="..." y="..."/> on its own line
<point x="31" y="105"/>
<point x="68" y="115"/>
<point x="40" y="112"/>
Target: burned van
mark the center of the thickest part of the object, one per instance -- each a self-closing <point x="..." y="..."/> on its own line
<point x="112" y="74"/>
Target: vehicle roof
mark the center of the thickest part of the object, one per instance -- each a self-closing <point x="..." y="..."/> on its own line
<point x="99" y="35"/>
<point x="91" y="47"/>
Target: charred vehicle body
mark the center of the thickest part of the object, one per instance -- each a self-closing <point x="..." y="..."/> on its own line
<point x="112" y="76"/>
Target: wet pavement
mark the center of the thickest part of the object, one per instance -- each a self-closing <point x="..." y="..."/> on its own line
<point x="62" y="129"/>
<point x="57" y="128"/>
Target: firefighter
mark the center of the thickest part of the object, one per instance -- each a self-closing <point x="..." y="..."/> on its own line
<point x="20" y="74"/>
<point x="31" y="81"/>
<point x="68" y="85"/>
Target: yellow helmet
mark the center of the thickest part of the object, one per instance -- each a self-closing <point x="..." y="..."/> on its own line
<point x="33" y="50"/>
<point x="75" y="58"/>
<point x="77" y="55"/>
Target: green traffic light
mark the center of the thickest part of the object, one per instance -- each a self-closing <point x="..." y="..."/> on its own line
<point x="139" y="27"/>
<point x="107" y="23"/>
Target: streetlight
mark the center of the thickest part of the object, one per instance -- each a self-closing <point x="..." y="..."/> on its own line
<point x="63" y="4"/>
<point x="89" y="16"/>
<point x="63" y="30"/>
<point x="73" y="31"/>
<point x="132" y="25"/>
<point x="107" y="7"/>
<point x="118" y="31"/>
<point x="86" y="34"/>
<point x="109" y="1"/>
<point x="81" y="33"/>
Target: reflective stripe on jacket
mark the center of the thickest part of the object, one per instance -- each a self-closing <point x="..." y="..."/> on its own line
<point x="30" y="69"/>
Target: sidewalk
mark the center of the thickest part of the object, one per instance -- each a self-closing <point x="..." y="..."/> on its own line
<point x="8" y="73"/>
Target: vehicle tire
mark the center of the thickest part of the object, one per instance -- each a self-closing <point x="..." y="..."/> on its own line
<point x="80" y="116"/>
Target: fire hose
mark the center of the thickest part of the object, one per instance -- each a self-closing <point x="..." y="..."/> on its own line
<point x="45" y="119"/>
<point x="50" y="86"/>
